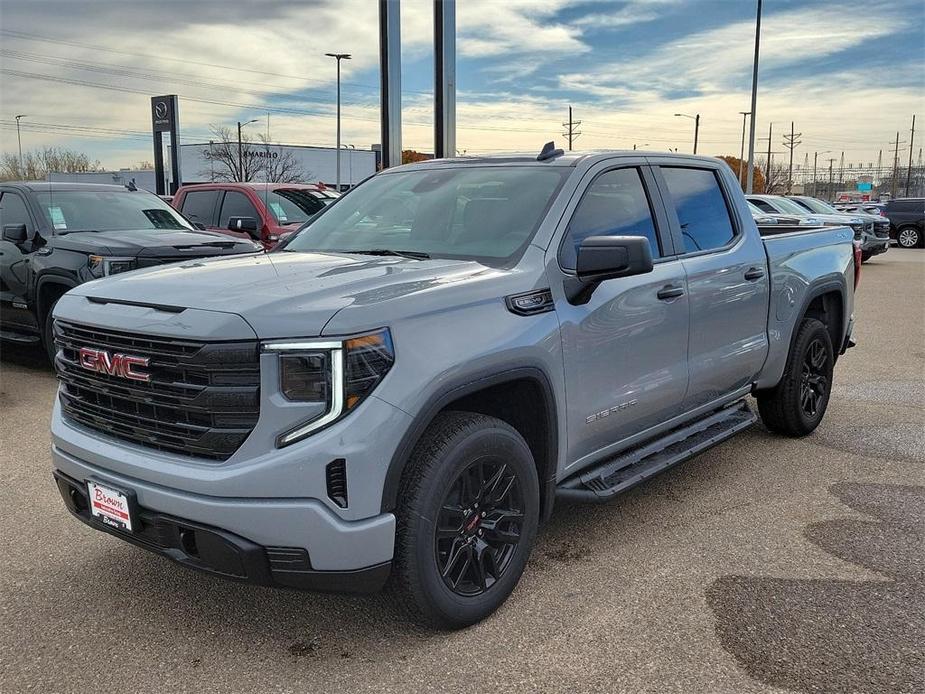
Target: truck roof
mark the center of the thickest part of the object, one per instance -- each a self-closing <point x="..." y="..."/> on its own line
<point x="42" y="186"/>
<point x="564" y="159"/>
<point x="252" y="186"/>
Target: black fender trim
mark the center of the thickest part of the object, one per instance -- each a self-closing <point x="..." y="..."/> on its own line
<point x="50" y="279"/>
<point x="813" y="293"/>
<point x="454" y="391"/>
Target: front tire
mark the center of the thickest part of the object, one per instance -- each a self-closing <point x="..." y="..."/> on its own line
<point x="796" y="406"/>
<point x="909" y="237"/>
<point x="467" y="518"/>
<point x="48" y="334"/>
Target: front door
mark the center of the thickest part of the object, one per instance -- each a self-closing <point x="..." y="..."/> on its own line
<point x="15" y="267"/>
<point x="625" y="350"/>
<point x="727" y="282"/>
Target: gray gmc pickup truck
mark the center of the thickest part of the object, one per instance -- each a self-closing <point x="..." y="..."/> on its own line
<point x="399" y="393"/>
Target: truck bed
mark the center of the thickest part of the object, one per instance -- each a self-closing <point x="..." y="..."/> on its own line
<point x="801" y="257"/>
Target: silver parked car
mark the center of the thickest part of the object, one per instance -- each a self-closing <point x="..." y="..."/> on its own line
<point x="869" y="212"/>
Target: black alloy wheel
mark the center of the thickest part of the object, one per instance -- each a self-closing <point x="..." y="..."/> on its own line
<point x="814" y="383"/>
<point x="479" y="527"/>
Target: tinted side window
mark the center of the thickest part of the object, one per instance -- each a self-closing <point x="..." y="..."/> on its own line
<point x="13" y="211"/>
<point x="198" y="205"/>
<point x="615" y="204"/>
<point x="701" y="208"/>
<point x="236" y="205"/>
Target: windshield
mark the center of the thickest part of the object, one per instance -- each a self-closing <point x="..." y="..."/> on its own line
<point x="818" y="206"/>
<point x="789" y="206"/>
<point x="478" y="213"/>
<point x="105" y="210"/>
<point x="294" y="205"/>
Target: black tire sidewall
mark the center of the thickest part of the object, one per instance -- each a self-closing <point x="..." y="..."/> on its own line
<point x="497" y="443"/>
<point x="816" y="330"/>
<point x="48" y="334"/>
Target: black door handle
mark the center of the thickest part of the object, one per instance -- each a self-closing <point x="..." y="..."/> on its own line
<point x="670" y="292"/>
<point x="754" y="273"/>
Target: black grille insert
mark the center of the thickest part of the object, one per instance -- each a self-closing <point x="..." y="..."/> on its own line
<point x="202" y="399"/>
<point x="336" y="477"/>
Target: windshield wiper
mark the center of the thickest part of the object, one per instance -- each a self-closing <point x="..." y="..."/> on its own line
<point x="413" y="255"/>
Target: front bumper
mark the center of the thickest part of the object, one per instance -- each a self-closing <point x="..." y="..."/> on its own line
<point x="331" y="542"/>
<point x="875" y="245"/>
<point x="222" y="553"/>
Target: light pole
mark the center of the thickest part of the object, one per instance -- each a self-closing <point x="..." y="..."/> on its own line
<point x="745" y="115"/>
<point x="754" y="110"/>
<point x="241" y="148"/>
<point x="19" y="140"/>
<point x="338" y="57"/>
<point x="696" y="120"/>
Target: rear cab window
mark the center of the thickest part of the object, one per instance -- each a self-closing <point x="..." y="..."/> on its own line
<point x="703" y="214"/>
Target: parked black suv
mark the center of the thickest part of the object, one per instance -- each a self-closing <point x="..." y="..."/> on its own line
<point x="907" y="221"/>
<point x="58" y="235"/>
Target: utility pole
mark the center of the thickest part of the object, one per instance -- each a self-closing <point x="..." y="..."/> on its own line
<point x="754" y="109"/>
<point x="767" y="176"/>
<point x="241" y="149"/>
<point x="896" y="145"/>
<point x="815" y="162"/>
<point x="22" y="173"/>
<point x="790" y="142"/>
<point x="744" y="115"/>
<point x="908" y="170"/>
<point x="572" y="134"/>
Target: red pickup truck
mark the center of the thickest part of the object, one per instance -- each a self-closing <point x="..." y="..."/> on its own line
<point x="264" y="212"/>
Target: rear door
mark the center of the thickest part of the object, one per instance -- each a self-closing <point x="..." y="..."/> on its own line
<point x="726" y="267"/>
<point x="625" y="350"/>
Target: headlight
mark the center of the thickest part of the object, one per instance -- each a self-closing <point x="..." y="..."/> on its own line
<point x="104" y="265"/>
<point x="338" y="374"/>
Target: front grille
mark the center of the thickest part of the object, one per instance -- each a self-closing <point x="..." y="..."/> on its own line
<point x="202" y="399"/>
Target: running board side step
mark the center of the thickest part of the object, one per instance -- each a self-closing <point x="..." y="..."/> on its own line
<point x="617" y="475"/>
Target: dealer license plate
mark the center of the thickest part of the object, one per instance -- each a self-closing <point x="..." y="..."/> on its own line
<point x="110" y="506"/>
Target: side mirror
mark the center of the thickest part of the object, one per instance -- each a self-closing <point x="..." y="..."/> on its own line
<point x="246" y="224"/>
<point x="602" y="258"/>
<point x="15" y="233"/>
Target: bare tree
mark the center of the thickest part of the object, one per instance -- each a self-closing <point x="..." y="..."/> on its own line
<point x="223" y="155"/>
<point x="38" y="163"/>
<point x="281" y="166"/>
<point x="776" y="182"/>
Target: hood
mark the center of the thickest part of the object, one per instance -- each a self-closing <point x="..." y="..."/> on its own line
<point x="173" y="243"/>
<point x="287" y="294"/>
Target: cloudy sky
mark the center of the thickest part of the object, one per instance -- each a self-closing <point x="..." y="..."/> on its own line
<point x="849" y="74"/>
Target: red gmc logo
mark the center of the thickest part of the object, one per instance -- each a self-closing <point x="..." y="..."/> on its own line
<point x="122" y="365"/>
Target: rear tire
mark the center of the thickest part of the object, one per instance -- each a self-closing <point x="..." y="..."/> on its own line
<point x="796" y="406"/>
<point x="467" y="517"/>
<point x="866" y="255"/>
<point x="908" y="237"/>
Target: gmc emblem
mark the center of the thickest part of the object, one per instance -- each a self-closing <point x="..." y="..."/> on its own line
<point x="121" y="365"/>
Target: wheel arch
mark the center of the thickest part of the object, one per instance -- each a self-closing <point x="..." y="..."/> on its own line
<point x="522" y="396"/>
<point x="49" y="289"/>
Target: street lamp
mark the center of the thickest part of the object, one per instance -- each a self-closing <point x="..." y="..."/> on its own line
<point x="750" y="179"/>
<point x="696" y="120"/>
<point x="645" y="145"/>
<point x="338" y="57"/>
<point x="19" y="139"/>
<point x="241" y="148"/>
<point x="745" y="115"/>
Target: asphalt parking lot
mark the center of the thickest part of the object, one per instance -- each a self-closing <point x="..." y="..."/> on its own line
<point x="764" y="565"/>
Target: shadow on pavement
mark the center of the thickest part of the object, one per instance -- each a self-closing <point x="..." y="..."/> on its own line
<point x="825" y="635"/>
